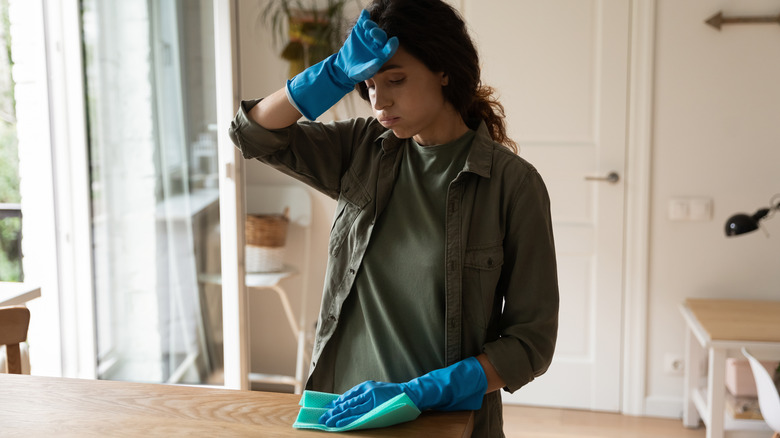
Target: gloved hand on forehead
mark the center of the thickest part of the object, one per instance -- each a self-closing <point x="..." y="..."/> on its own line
<point x="460" y="386"/>
<point x="320" y="86"/>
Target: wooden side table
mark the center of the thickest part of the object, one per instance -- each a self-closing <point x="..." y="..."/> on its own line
<point x="721" y="328"/>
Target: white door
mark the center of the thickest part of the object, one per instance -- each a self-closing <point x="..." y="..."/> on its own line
<point x="561" y="68"/>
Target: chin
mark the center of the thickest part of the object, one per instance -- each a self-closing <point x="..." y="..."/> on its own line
<point x="402" y="133"/>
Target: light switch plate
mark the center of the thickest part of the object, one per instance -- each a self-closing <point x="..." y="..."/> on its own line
<point x="690" y="209"/>
<point x="678" y="209"/>
<point x="700" y="209"/>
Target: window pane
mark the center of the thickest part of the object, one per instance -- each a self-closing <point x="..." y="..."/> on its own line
<point x="149" y="67"/>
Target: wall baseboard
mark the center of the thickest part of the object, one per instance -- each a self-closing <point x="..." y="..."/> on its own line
<point x="664" y="407"/>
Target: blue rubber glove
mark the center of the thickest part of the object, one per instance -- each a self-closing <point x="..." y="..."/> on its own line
<point x="460" y="386"/>
<point x="320" y="86"/>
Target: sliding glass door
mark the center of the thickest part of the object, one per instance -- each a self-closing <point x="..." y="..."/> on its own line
<point x="149" y="69"/>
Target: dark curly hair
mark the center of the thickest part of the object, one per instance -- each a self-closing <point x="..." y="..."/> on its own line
<point x="433" y="32"/>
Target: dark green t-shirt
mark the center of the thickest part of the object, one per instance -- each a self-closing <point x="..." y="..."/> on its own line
<point x="392" y="324"/>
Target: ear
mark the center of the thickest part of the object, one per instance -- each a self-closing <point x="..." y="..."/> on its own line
<point x="445" y="80"/>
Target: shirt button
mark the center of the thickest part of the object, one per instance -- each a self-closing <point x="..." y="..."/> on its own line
<point x="351" y="272"/>
<point x="331" y="317"/>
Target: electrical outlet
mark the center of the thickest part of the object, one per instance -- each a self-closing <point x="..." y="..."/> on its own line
<point x="673" y="364"/>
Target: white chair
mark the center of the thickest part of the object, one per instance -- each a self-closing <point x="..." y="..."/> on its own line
<point x="768" y="398"/>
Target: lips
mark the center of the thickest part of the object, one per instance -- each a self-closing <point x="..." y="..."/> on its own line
<point x="387" y="121"/>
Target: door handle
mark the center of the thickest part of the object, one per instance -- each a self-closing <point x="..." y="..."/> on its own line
<point x="611" y="177"/>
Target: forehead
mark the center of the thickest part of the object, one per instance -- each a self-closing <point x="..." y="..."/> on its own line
<point x="402" y="60"/>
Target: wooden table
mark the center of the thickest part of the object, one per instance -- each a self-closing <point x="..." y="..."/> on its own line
<point x="32" y="406"/>
<point x="721" y="328"/>
<point x="14" y="294"/>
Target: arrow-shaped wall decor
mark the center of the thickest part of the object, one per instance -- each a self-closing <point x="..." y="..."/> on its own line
<point x="719" y="20"/>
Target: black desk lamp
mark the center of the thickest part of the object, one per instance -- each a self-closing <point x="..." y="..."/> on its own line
<point x="742" y="223"/>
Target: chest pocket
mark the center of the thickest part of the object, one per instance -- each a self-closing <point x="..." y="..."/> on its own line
<point x="485" y="258"/>
<point x="481" y="272"/>
<point x="352" y="200"/>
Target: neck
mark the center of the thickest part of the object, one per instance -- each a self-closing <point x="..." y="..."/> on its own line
<point x="449" y="126"/>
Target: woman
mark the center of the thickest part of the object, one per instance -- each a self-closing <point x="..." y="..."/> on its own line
<point x="441" y="279"/>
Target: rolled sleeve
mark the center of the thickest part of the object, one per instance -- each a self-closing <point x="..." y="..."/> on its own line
<point x="252" y="139"/>
<point x="315" y="153"/>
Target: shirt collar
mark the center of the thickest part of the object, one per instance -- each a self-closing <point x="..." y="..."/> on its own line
<point x="388" y="141"/>
<point x="480" y="159"/>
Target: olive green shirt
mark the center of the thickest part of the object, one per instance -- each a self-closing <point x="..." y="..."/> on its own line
<point x="392" y="324"/>
<point x="501" y="288"/>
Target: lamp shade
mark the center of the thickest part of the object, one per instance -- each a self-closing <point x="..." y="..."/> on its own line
<point x="742" y="223"/>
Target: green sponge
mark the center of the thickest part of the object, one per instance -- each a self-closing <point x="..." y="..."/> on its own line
<point x="398" y="409"/>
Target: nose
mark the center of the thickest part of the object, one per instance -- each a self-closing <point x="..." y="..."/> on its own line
<point x="380" y="98"/>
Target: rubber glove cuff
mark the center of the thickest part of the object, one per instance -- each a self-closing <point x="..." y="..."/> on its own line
<point x="460" y="386"/>
<point x="318" y="88"/>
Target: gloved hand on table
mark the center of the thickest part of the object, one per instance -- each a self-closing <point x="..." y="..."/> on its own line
<point x="460" y="386"/>
<point x="320" y="86"/>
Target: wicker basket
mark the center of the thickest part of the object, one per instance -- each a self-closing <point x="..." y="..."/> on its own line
<point x="266" y="235"/>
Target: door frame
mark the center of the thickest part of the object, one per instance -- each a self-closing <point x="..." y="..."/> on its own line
<point x="70" y="296"/>
<point x="637" y="206"/>
<point x="235" y="322"/>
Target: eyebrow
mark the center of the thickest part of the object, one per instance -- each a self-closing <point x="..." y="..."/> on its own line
<point x="388" y="67"/>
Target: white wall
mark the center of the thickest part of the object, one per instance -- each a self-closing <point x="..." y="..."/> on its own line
<point x="717" y="135"/>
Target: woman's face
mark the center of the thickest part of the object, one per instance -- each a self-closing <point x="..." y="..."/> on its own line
<point x="407" y="97"/>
